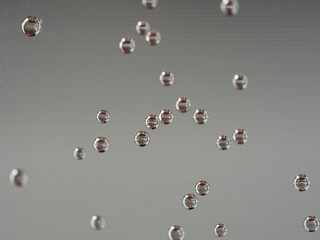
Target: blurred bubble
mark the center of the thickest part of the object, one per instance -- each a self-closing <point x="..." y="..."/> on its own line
<point x="143" y="27"/>
<point x="18" y="177"/>
<point x="223" y="142"/>
<point x="153" y="37"/>
<point x="301" y="183"/>
<point x="229" y="7"/>
<point x="176" y="233"/>
<point x="31" y="26"/>
<point x="166" y="78"/>
<point x="220" y="230"/>
<point x="183" y="104"/>
<point x="79" y="153"/>
<point x="240" y="136"/>
<point x="150" y="4"/>
<point x="152" y="121"/>
<point x="166" y="116"/>
<point x="101" y="144"/>
<point x="240" y="81"/>
<point x="103" y="116"/>
<point x="202" y="188"/>
<point x="127" y="45"/>
<point x="97" y="222"/>
<point x="200" y="116"/>
<point x="142" y="138"/>
<point x="190" y="201"/>
<point x="311" y="224"/>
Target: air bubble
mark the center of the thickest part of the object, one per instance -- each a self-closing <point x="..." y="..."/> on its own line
<point x="223" y="142"/>
<point x="166" y="78"/>
<point x="202" y="188"/>
<point x="142" y="138"/>
<point x="220" y="230"/>
<point x="103" y="116"/>
<point x="229" y="7"/>
<point x="143" y="27"/>
<point x="97" y="222"/>
<point x="240" y="136"/>
<point x="79" y="153"/>
<point x="153" y="37"/>
<point x="176" y="233"/>
<point x="200" y="116"/>
<point x="240" y="81"/>
<point x="18" y="177"/>
<point x="127" y="45"/>
<point x="301" y="183"/>
<point x="152" y="121"/>
<point x="150" y="4"/>
<point x="183" y="105"/>
<point x="311" y="224"/>
<point x="190" y="201"/>
<point x="31" y="26"/>
<point x="101" y="144"/>
<point x="166" y="116"/>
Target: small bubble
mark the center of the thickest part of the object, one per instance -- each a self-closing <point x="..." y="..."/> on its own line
<point x="220" y="230"/>
<point x="101" y="144"/>
<point x="176" y="233"/>
<point x="200" y="116"/>
<point x="240" y="136"/>
<point x="229" y="7"/>
<point x="166" y="116"/>
<point x="97" y="222"/>
<point x="240" y="81"/>
<point x="103" y="116"/>
<point x="142" y="138"/>
<point x="79" y="153"/>
<point x="143" y="27"/>
<point x="153" y="37"/>
<point x="152" y="121"/>
<point x="127" y="45"/>
<point x="31" y="26"/>
<point x="202" y="188"/>
<point x="18" y="177"/>
<point x="190" y="201"/>
<point x="183" y="105"/>
<point x="223" y="142"/>
<point x="150" y="4"/>
<point x="166" y="78"/>
<point x="311" y="224"/>
<point x="301" y="183"/>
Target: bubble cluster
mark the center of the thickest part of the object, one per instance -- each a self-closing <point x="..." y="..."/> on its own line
<point x="240" y="136"/>
<point x="97" y="222"/>
<point x="103" y="116"/>
<point x="127" y="45"/>
<point x="190" y="201"/>
<point x="311" y="224"/>
<point x="79" y="153"/>
<point x="31" y="26"/>
<point x="202" y="188"/>
<point x="223" y="142"/>
<point x="142" y="138"/>
<point x="166" y="78"/>
<point x="200" y="116"/>
<point x="176" y="232"/>
<point x="240" y="81"/>
<point x="18" y="177"/>
<point x="166" y="116"/>
<point x="152" y="121"/>
<point x="142" y="27"/>
<point x="301" y="182"/>
<point x="153" y="37"/>
<point x="229" y="7"/>
<point x="220" y="230"/>
<point x="101" y="144"/>
<point x="183" y="104"/>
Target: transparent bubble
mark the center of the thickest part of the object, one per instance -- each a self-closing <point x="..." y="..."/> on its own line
<point x="176" y="233"/>
<point x="183" y="105"/>
<point x="202" y="188"/>
<point x="311" y="224"/>
<point x="142" y="138"/>
<point x="166" y="116"/>
<point x="143" y="27"/>
<point x="153" y="37"/>
<point x="166" y="78"/>
<point x="223" y="142"/>
<point x="127" y="45"/>
<point x="240" y="136"/>
<point x="101" y="144"/>
<point x="301" y="183"/>
<point x="103" y="116"/>
<point x="152" y="121"/>
<point x="200" y="116"/>
<point x="220" y="230"/>
<point x="229" y="7"/>
<point x="150" y="4"/>
<point x="97" y="222"/>
<point x="79" y="153"/>
<point x="240" y="81"/>
<point x="18" y="177"/>
<point x="31" y="26"/>
<point x="190" y="201"/>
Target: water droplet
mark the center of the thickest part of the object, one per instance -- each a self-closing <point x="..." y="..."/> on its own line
<point x="200" y="116"/>
<point x="153" y="37"/>
<point x="150" y="4"/>
<point x="31" y="26"/>
<point x="176" y="233"/>
<point x="101" y="144"/>
<point x="97" y="222"/>
<point x="79" y="153"/>
<point x="311" y="224"/>
<point x="18" y="177"/>
<point x="220" y="230"/>
<point x="166" y="116"/>
<point x="223" y="142"/>
<point x="240" y="81"/>
<point x="240" y="136"/>
<point x="152" y="121"/>
<point x="202" y="188"/>
<point x="190" y="201"/>
<point x="142" y="138"/>
<point x="127" y="45"/>
<point x="143" y="27"/>
<point x="301" y="183"/>
<point x="166" y="78"/>
<point x="229" y="7"/>
<point x="183" y="104"/>
<point x="103" y="116"/>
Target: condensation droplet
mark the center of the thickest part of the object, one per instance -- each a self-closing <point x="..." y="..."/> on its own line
<point x="223" y="142"/>
<point x="79" y="153"/>
<point x="142" y="138"/>
<point x="152" y="121"/>
<point x="166" y="78"/>
<point x="127" y="45"/>
<point x="97" y="222"/>
<point x="150" y="4"/>
<point x="153" y="37"/>
<point x="220" y="230"/>
<point x="301" y="183"/>
<point x="101" y="144"/>
<point x="143" y="27"/>
<point x="190" y="201"/>
<point x="229" y="7"/>
<point x="240" y="136"/>
<point x="183" y="104"/>
<point x="166" y="116"/>
<point x="18" y="177"/>
<point x="240" y="81"/>
<point x="311" y="224"/>
<point x="200" y="116"/>
<point x="176" y="233"/>
<point x="31" y="26"/>
<point x="202" y="188"/>
<point x="103" y="116"/>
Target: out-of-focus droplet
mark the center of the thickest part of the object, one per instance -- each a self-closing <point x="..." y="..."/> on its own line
<point x="200" y="116"/>
<point x="311" y="224"/>
<point x="101" y="144"/>
<point x="176" y="233"/>
<point x="127" y="45"/>
<point x="240" y="136"/>
<point x="143" y="27"/>
<point x="97" y="222"/>
<point x="31" y="26"/>
<point x="202" y="188"/>
<point x="223" y="142"/>
<point x="153" y="37"/>
<point x="79" y="153"/>
<point x="18" y="177"/>
<point x="229" y="7"/>
<point x="103" y="116"/>
<point x="190" y="201"/>
<point x="183" y="104"/>
<point x="301" y="182"/>
<point x="150" y="4"/>
<point x="152" y="121"/>
<point x="220" y="230"/>
<point x="166" y="78"/>
<point x="142" y="138"/>
<point x="240" y="81"/>
<point x="166" y="116"/>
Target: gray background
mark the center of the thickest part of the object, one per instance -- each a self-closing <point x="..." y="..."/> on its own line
<point x="52" y="85"/>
